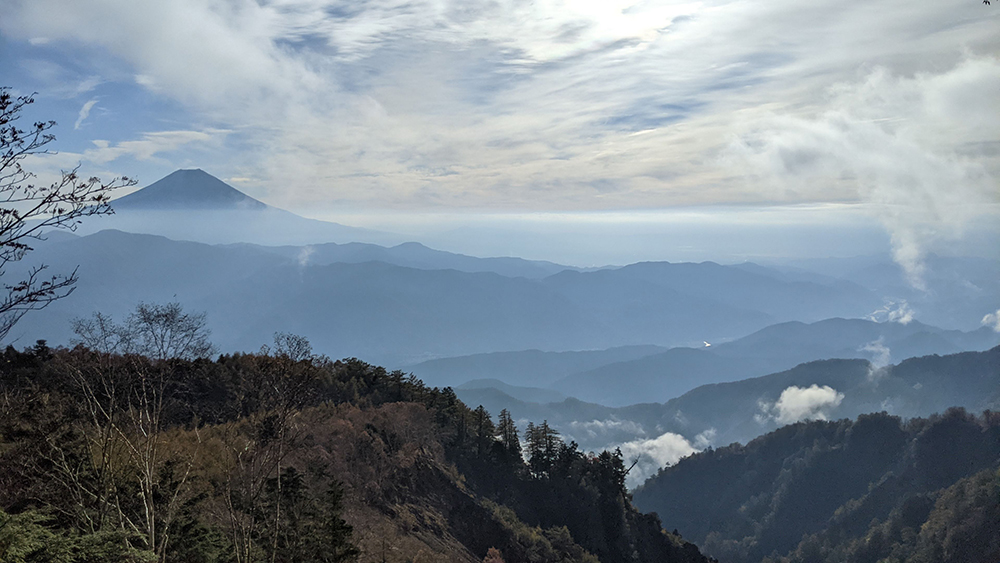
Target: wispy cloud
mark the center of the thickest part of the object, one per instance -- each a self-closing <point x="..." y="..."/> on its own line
<point x="880" y="357"/>
<point x="911" y="147"/>
<point x="149" y="145"/>
<point x="84" y="113"/>
<point x="563" y="105"/>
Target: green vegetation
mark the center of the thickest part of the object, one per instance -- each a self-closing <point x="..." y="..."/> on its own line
<point x="286" y="456"/>
<point x="875" y="489"/>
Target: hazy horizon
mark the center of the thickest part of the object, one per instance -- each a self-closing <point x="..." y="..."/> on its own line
<point x="768" y="234"/>
<point x="583" y="132"/>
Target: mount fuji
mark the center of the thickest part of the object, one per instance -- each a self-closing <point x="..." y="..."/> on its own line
<point x="195" y="206"/>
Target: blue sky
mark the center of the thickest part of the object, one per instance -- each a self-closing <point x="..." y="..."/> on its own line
<point x="385" y="111"/>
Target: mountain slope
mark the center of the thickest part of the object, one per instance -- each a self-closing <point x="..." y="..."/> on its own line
<point x="813" y="490"/>
<point x="740" y="411"/>
<point x="730" y="286"/>
<point x="277" y="459"/>
<point x="532" y="394"/>
<point x="185" y="190"/>
<point x="381" y="311"/>
<point x="769" y="350"/>
<point x="193" y="205"/>
<point x="527" y="367"/>
<point x="958" y="290"/>
<point x="415" y="255"/>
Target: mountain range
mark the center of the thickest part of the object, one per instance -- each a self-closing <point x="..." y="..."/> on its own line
<point x="658" y="364"/>
<point x="739" y="411"/>
<point x="625" y="376"/>
<point x="397" y="314"/>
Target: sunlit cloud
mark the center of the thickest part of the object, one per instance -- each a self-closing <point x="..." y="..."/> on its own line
<point x="910" y="147"/>
<point x="563" y="105"/>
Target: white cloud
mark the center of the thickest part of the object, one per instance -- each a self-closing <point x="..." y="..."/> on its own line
<point x="680" y="418"/>
<point x="87" y="84"/>
<point x="797" y="403"/>
<point x="553" y="104"/>
<point x="604" y="430"/>
<point x="880" y="356"/>
<point x="909" y="146"/>
<point x="992" y="320"/>
<point x="84" y="113"/>
<point x="705" y="439"/>
<point x="893" y="312"/>
<point x="654" y="454"/>
<point x="150" y="145"/>
<point x="304" y="254"/>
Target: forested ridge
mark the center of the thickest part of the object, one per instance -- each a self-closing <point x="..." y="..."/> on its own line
<point x="876" y="489"/>
<point x="286" y="456"/>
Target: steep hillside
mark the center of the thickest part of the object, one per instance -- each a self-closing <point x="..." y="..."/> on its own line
<point x="842" y="491"/>
<point x="742" y="410"/>
<point x="289" y="457"/>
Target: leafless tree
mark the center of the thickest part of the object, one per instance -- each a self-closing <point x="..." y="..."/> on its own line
<point x="28" y="211"/>
<point x="156" y="331"/>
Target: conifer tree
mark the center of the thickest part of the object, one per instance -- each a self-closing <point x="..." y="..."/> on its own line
<point x="507" y="433"/>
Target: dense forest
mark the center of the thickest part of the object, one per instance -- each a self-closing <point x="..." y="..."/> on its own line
<point x="286" y="456"/>
<point x="877" y="489"/>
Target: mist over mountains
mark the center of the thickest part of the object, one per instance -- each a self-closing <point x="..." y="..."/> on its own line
<point x="393" y="313"/>
<point x="723" y="413"/>
<point x="607" y="335"/>
<point x="624" y="376"/>
<point x="654" y="360"/>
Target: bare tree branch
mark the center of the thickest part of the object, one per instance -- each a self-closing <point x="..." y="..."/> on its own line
<point x="28" y="211"/>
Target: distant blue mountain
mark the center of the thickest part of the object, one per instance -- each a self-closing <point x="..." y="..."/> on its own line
<point x="195" y="206"/>
<point x="742" y="410"/>
<point x="397" y="313"/>
<point x="415" y="255"/>
<point x="775" y="348"/>
<point x="188" y="189"/>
